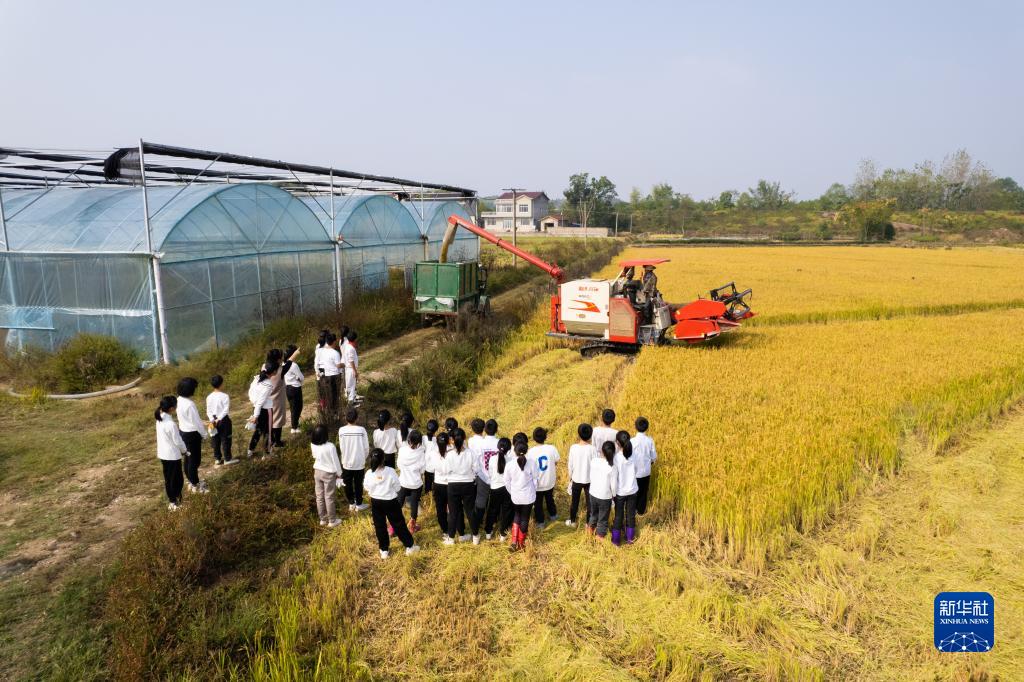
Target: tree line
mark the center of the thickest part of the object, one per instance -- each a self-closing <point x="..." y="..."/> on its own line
<point x="959" y="183"/>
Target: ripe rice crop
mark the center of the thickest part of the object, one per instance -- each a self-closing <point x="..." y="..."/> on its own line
<point x="819" y="284"/>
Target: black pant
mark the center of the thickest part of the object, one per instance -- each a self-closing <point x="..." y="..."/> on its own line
<point x="545" y="497"/>
<point x="294" y="394"/>
<point x="441" y="506"/>
<point x="413" y="495"/>
<point x="332" y="394"/>
<point x="644" y="484"/>
<point x="579" y="490"/>
<point x="483" y="492"/>
<point x="522" y="516"/>
<point x="428" y="481"/>
<point x="173" y="479"/>
<point x="499" y="510"/>
<point x="625" y="511"/>
<point x="262" y="431"/>
<point x="389" y="459"/>
<point x="194" y="443"/>
<point x="275" y="437"/>
<point x="460" y="500"/>
<point x="222" y="440"/>
<point x="385" y="512"/>
<point x="353" y="480"/>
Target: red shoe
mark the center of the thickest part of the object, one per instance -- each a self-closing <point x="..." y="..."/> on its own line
<point x="514" y="537"/>
<point x="391" y="531"/>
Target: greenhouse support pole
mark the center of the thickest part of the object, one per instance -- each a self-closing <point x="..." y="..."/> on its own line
<point x="161" y="322"/>
<point x="3" y="221"/>
<point x="337" y="252"/>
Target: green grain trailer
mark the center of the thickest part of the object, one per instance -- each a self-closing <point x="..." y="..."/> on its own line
<point x="451" y="290"/>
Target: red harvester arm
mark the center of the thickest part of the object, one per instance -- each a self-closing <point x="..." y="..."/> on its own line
<point x="455" y="221"/>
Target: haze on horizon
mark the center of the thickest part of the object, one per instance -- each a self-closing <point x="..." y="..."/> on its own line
<point x="704" y="96"/>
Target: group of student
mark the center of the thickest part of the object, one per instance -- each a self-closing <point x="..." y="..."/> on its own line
<point x="481" y="483"/>
<point x="275" y="393"/>
<point x="336" y="363"/>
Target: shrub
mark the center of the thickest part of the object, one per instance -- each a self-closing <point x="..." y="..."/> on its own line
<point x="90" y="362"/>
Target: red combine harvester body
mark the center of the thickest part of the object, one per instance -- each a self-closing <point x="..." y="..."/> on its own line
<point x="623" y="314"/>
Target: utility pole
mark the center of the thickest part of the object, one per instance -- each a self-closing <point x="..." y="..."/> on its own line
<point x="616" y="223"/>
<point x="515" y="219"/>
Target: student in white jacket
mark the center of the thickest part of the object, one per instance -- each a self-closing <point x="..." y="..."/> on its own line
<point x="545" y="456"/>
<point x="193" y="432"/>
<point x="293" y="380"/>
<point x="326" y="472"/>
<point x="430" y="449"/>
<point x="458" y="467"/>
<point x="499" y="509"/>
<point x="386" y="437"/>
<point x="625" y="495"/>
<point x="580" y="454"/>
<point x="354" y="447"/>
<point x="412" y="460"/>
<point x="383" y="487"/>
<point x="170" y="449"/>
<point x="645" y="455"/>
<point x="435" y="460"/>
<point x="604" y="432"/>
<point x="521" y="481"/>
<point x="259" y="397"/>
<point x="350" y="358"/>
<point x="603" y="485"/>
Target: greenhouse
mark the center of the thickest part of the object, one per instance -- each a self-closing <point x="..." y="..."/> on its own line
<point x="195" y="249"/>
<point x="432" y="216"/>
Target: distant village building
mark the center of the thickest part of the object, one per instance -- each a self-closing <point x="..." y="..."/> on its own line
<point x="529" y="208"/>
<point x="554" y="221"/>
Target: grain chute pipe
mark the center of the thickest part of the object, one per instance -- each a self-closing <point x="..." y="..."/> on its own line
<point x="454" y="222"/>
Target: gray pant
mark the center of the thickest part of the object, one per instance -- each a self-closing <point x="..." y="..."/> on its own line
<point x="599" y="512"/>
<point x="326" y="485"/>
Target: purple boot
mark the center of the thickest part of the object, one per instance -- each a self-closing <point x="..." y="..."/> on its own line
<point x="616" y="537"/>
<point x="630" y="535"/>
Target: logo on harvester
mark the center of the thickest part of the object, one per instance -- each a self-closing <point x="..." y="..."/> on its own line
<point x="964" y="621"/>
<point x="588" y="307"/>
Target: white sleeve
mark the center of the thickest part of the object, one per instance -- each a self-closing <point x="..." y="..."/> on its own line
<point x="176" y="437"/>
<point x="654" y="452"/>
<point x="335" y="459"/>
<point x="613" y="481"/>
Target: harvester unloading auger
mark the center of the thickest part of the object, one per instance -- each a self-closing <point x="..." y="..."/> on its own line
<point x="623" y="314"/>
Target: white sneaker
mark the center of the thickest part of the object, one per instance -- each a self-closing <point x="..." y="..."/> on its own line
<point x="362" y="507"/>
<point x="384" y="554"/>
<point x="465" y="538"/>
<point x="218" y="463"/>
<point x="501" y="538"/>
<point x="568" y="522"/>
<point x="334" y="524"/>
<point x="488" y="536"/>
<point x="323" y="523"/>
<point x="448" y="541"/>
<point x="351" y="507"/>
<point x="412" y="550"/>
<point x="192" y="488"/>
<point x="294" y="431"/>
<point x="203" y="488"/>
<point x="476" y="539"/>
<point x="172" y="507"/>
<point x="230" y="462"/>
<point x="250" y="453"/>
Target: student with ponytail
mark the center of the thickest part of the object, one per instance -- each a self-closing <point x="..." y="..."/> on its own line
<point x="411" y="463"/>
<point x="259" y="396"/>
<point x="430" y="451"/>
<point x="384" y="489"/>
<point x="440" y="487"/>
<point x="170" y="449"/>
<point x="459" y="469"/>
<point x="499" y="509"/>
<point x="603" y="484"/>
<point x="626" y="490"/>
<point x="521" y="476"/>
<point x="387" y="438"/>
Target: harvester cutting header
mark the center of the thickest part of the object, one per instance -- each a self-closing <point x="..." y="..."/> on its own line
<point x="618" y="316"/>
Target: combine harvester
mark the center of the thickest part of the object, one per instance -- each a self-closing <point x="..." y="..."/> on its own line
<point x="617" y="316"/>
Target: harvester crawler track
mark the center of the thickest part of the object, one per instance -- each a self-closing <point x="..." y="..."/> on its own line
<point x="595" y="348"/>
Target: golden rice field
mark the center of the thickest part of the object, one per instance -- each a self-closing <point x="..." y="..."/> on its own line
<point x="811" y="482"/>
<point x="808" y="284"/>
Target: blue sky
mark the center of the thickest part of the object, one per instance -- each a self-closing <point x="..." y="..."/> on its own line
<point x="703" y="95"/>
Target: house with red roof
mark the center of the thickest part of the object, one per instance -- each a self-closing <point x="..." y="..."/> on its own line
<point x="525" y="211"/>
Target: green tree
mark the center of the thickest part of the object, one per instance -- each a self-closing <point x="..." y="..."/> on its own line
<point x="727" y="199"/>
<point x="769" y="195"/>
<point x="871" y="220"/>
<point x="834" y="198"/>
<point x="592" y="199"/>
